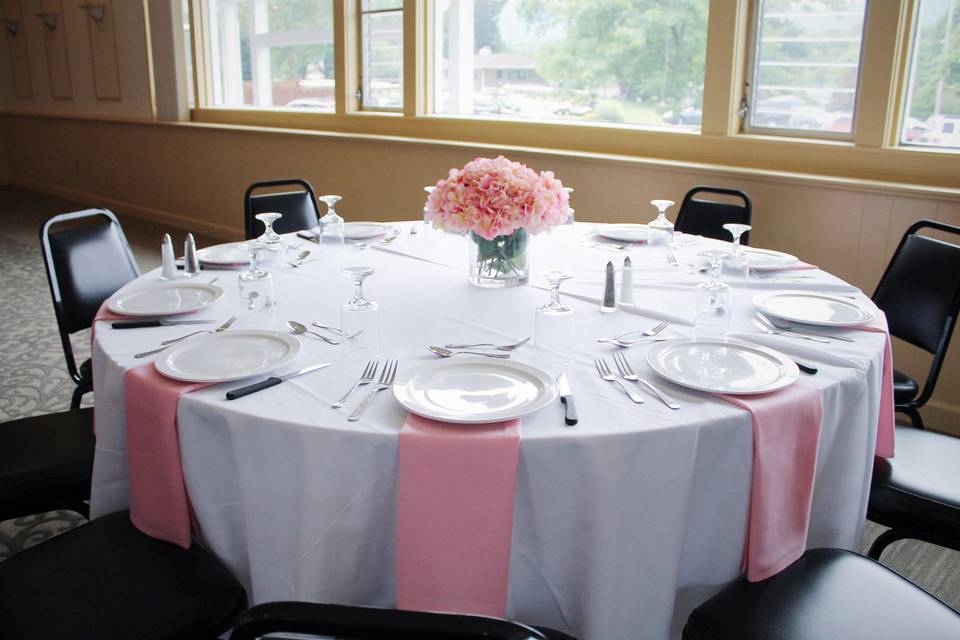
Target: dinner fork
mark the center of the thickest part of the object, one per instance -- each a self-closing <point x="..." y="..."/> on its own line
<point x="605" y="373"/>
<point x="627" y="373"/>
<point x="652" y="331"/>
<point x="387" y="377"/>
<point x="768" y="327"/>
<point x="672" y="260"/>
<point x="498" y="347"/>
<point x="369" y="372"/>
<point x="774" y="277"/>
<point x="223" y="327"/>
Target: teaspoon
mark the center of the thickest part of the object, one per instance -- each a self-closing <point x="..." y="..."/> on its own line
<point x="297" y="328"/>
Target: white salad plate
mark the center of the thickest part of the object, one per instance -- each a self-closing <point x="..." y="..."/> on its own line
<point x="474" y="390"/>
<point x="364" y="230"/>
<point x="808" y="307"/>
<point x="769" y="260"/>
<point x="722" y="366"/>
<point x="230" y="254"/>
<point x="226" y="356"/>
<point x="624" y="232"/>
<point x="167" y="299"/>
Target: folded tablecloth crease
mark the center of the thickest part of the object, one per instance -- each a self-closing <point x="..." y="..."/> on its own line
<point x="455" y="501"/>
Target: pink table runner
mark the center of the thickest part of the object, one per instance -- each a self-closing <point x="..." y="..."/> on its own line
<point x="159" y="505"/>
<point x="786" y="435"/>
<point x="455" y="499"/>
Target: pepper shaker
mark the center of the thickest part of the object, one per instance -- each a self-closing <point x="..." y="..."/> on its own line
<point x="191" y="264"/>
<point x="609" y="304"/>
<point x="169" y="269"/>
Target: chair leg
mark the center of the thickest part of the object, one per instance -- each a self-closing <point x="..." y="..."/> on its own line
<point x="884" y="540"/>
<point x="77" y="397"/>
<point x="911" y="411"/>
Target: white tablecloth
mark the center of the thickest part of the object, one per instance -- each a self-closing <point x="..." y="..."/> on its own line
<point x="623" y="523"/>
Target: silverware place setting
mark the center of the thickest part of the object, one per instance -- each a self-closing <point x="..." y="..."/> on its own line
<point x="387" y="376"/>
<point x="627" y="373"/>
<point x="167" y="343"/>
<point x="605" y="373"/>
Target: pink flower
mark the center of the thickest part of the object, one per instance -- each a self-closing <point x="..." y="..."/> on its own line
<point x="495" y="197"/>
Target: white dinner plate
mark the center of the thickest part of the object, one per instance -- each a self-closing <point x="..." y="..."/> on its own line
<point x="364" y="230"/>
<point x="769" y="260"/>
<point x="474" y="390"/>
<point x="226" y="356"/>
<point x="168" y="299"/>
<point x="722" y="366"/>
<point x="229" y="254"/>
<point x="624" y="232"/>
<point x="808" y="307"/>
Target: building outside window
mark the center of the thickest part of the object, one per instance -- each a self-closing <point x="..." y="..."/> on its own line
<point x="599" y="60"/>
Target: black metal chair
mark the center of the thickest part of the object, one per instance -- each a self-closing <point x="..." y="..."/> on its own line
<point x="45" y="463"/>
<point x="703" y="217"/>
<point x="920" y="295"/>
<point x="85" y="265"/>
<point x="367" y="623"/>
<point x="106" y="580"/>
<point x="828" y="594"/>
<point x="917" y="492"/>
<point x="299" y="208"/>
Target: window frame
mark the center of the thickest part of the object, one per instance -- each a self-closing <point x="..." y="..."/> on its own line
<point x="358" y="92"/>
<point x="872" y="154"/>
<point x="750" y="77"/>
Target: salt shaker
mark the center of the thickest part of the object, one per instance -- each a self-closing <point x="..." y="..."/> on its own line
<point x="609" y="304"/>
<point x="191" y="264"/>
<point x="169" y="270"/>
<point x="626" y="282"/>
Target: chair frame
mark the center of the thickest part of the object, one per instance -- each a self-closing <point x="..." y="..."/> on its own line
<point x="911" y="408"/>
<point x="83" y="386"/>
<point x="249" y="222"/>
<point x="333" y="620"/>
<point x="736" y="193"/>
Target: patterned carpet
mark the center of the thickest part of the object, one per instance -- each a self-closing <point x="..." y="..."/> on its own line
<point x="33" y="377"/>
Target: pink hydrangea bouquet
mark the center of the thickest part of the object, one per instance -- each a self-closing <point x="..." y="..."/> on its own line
<point x="499" y="202"/>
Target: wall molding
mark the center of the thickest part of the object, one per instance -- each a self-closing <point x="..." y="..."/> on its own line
<point x="121" y="207"/>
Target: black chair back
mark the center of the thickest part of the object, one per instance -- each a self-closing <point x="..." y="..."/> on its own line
<point x="85" y="264"/>
<point x="920" y="292"/>
<point x="702" y="217"/>
<point x="299" y="208"/>
<point x="367" y="623"/>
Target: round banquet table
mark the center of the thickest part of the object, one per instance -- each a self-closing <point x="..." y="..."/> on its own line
<point x="622" y="524"/>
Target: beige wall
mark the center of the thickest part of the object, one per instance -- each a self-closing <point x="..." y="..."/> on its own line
<point x="195" y="176"/>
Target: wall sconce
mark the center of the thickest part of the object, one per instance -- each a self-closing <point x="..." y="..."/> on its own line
<point x="12" y="26"/>
<point x="97" y="12"/>
<point x="49" y="19"/>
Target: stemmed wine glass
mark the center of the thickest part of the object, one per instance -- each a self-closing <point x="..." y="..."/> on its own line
<point x="661" y="227"/>
<point x="553" y="322"/>
<point x="358" y="317"/>
<point x="714" y="303"/>
<point x="738" y="259"/>
<point x="269" y="236"/>
<point x="257" y="295"/>
<point x="332" y="223"/>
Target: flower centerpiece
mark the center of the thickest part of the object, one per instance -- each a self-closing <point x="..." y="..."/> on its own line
<point x="499" y="203"/>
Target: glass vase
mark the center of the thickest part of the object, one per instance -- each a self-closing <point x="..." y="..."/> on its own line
<point x="501" y="262"/>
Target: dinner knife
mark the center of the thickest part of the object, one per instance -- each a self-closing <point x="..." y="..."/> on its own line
<point x="140" y="324"/>
<point x="271" y="382"/>
<point x="566" y="397"/>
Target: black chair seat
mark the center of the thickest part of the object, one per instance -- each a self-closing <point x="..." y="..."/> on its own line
<point x="828" y="594"/>
<point x="905" y="388"/>
<point x="45" y="462"/>
<point x="919" y="488"/>
<point x="107" y="580"/>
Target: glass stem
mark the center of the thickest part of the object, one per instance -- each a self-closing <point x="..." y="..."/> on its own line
<point x="555" y="296"/>
<point x="358" y="290"/>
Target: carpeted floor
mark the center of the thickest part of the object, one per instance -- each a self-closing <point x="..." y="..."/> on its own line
<point x="33" y="377"/>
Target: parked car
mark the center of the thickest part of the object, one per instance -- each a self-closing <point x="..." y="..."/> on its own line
<point x="786" y="112"/>
<point x="944" y="131"/>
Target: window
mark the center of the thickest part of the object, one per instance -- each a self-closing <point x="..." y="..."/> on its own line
<point x="381" y="54"/>
<point x="639" y="62"/>
<point x="805" y="65"/>
<point x="932" y="110"/>
<point x="276" y="53"/>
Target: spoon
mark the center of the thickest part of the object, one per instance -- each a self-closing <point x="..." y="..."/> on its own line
<point x="296" y="328"/>
<point x="447" y="353"/>
<point x="300" y="258"/>
<point x="253" y="295"/>
<point x="339" y="332"/>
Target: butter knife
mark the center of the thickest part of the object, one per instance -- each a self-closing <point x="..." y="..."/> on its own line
<point x="139" y="324"/>
<point x="271" y="382"/>
<point x="566" y="397"/>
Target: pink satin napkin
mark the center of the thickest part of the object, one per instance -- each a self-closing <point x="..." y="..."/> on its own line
<point x="887" y="422"/>
<point x="159" y="505"/>
<point x="455" y="499"/>
<point x="786" y="436"/>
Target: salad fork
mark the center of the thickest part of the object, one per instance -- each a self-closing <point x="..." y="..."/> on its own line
<point x="646" y="333"/>
<point x="387" y="377"/>
<point x="627" y="373"/>
<point x="498" y="347"/>
<point x="223" y="327"/>
<point x="369" y="372"/>
<point x="603" y="369"/>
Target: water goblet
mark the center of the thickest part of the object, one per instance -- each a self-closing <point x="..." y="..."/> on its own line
<point x="258" y="298"/>
<point x="553" y="323"/>
<point x="714" y="300"/>
<point x="331" y="223"/>
<point x="269" y="236"/>
<point x="661" y="228"/>
<point x="358" y="316"/>
<point x="737" y="259"/>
